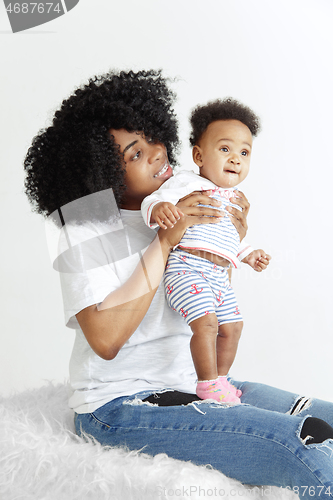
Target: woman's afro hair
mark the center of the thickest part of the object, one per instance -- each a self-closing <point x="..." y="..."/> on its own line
<point x="226" y="109"/>
<point x="76" y="156"/>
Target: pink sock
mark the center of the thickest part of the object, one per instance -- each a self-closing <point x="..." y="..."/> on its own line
<point x="213" y="389"/>
<point x="230" y="387"/>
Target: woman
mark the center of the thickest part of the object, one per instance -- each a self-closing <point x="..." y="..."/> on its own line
<point x="132" y="376"/>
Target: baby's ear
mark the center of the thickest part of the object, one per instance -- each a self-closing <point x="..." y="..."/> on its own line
<point x="196" y="155"/>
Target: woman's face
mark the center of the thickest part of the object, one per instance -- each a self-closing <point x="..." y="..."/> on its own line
<point x="146" y="165"/>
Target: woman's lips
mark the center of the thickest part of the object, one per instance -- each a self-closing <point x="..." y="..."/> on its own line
<point x="164" y="173"/>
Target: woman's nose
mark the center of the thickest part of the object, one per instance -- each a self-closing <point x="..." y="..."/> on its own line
<point x="155" y="152"/>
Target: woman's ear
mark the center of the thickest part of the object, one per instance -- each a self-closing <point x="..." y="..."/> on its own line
<point x="196" y="155"/>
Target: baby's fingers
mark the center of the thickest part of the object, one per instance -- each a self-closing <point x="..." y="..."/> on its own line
<point x="168" y="217"/>
<point x="262" y="263"/>
<point x="264" y="259"/>
<point x="164" y="222"/>
<point x="177" y="213"/>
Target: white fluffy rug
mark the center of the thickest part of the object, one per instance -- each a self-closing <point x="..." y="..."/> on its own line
<point x="42" y="459"/>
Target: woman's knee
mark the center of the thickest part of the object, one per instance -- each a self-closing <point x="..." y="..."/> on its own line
<point x="315" y="431"/>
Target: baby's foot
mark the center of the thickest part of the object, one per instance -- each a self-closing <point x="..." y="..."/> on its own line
<point x="230" y="387"/>
<point x="213" y="389"/>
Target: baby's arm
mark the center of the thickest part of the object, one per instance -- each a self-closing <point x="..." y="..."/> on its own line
<point x="258" y="260"/>
<point x="169" y="193"/>
<point x="165" y="214"/>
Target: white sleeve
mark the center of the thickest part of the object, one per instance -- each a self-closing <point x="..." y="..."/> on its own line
<point x="244" y="250"/>
<point x="87" y="271"/>
<point x="173" y="190"/>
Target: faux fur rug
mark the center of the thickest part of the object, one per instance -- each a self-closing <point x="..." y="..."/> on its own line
<point x="42" y="459"/>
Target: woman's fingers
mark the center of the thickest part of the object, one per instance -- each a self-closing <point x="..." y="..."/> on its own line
<point x="203" y="219"/>
<point x="242" y="202"/>
<point x="189" y="206"/>
<point x="196" y="198"/>
<point x="197" y="211"/>
<point x="174" y="234"/>
<point x="238" y="217"/>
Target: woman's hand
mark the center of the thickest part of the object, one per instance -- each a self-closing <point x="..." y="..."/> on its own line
<point x="188" y="206"/>
<point x="192" y="214"/>
<point x="238" y="217"/>
<point x="199" y="197"/>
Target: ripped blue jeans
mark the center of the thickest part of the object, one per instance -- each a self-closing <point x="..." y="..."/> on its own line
<point x="258" y="442"/>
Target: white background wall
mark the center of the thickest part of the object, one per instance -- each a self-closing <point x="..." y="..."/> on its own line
<point x="274" y="56"/>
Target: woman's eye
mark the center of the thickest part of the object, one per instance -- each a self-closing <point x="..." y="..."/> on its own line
<point x="136" y="156"/>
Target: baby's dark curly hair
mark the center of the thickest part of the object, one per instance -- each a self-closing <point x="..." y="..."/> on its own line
<point x="228" y="109"/>
<point x="76" y="156"/>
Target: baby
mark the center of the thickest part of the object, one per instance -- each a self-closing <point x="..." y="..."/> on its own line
<point x="196" y="276"/>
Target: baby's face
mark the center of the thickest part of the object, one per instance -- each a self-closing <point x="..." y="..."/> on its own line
<point x="223" y="153"/>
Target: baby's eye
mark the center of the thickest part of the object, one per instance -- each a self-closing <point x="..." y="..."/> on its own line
<point x="224" y="149"/>
<point x="244" y="153"/>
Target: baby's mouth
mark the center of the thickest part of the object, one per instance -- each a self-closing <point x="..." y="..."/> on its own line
<point x="162" y="170"/>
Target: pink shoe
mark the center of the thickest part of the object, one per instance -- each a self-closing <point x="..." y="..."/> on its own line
<point x="213" y="389"/>
<point x="230" y="387"/>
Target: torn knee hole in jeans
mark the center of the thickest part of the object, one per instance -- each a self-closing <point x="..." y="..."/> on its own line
<point x="148" y="400"/>
<point x="300" y="404"/>
<point x="316" y="433"/>
<point x="213" y="404"/>
<point x="137" y="401"/>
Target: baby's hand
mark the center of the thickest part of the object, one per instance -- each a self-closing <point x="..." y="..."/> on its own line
<point x="258" y="260"/>
<point x="165" y="214"/>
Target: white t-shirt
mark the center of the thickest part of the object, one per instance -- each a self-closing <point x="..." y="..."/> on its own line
<point x="96" y="259"/>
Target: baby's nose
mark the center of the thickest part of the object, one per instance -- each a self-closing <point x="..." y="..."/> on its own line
<point x="234" y="159"/>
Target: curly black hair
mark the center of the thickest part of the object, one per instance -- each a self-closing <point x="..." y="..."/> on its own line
<point x="226" y="109"/>
<point x="76" y="156"/>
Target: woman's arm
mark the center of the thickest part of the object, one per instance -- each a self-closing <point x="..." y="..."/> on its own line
<point x="109" y="325"/>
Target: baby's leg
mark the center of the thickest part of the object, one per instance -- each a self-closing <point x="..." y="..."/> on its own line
<point x="189" y="293"/>
<point x="203" y="346"/>
<point x="226" y="348"/>
<point x="230" y="329"/>
<point x="203" y="349"/>
<point x="226" y="345"/>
